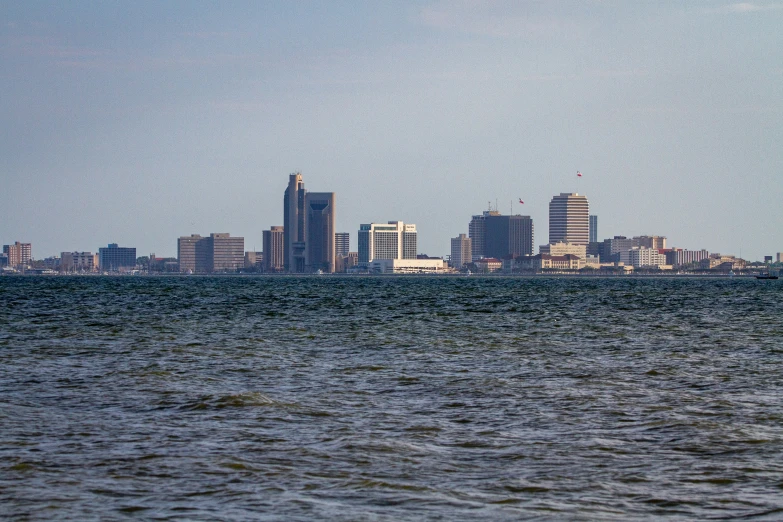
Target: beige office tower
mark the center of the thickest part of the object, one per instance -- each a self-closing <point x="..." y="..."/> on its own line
<point x="273" y="249"/>
<point x="186" y="253"/>
<point x="228" y="253"/>
<point x="461" y="251"/>
<point x="569" y="219"/>
<point x="216" y="253"/>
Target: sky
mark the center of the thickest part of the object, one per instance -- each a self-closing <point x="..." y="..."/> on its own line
<point x="139" y="122"/>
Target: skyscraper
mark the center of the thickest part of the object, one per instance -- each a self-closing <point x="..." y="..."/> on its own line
<point x="508" y="235"/>
<point x="294" y="225"/>
<point x="319" y="227"/>
<point x="461" y="251"/>
<point x="394" y="240"/>
<point x="593" y="229"/>
<point x="477" y="230"/>
<point x="273" y="249"/>
<point x="569" y="220"/>
<point x="308" y="228"/>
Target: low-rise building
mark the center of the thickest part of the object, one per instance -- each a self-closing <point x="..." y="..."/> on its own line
<point x="254" y="260"/>
<point x="488" y="264"/>
<point x="640" y="257"/>
<point x="217" y="253"/>
<point x="550" y="262"/>
<point x="407" y="266"/>
<point x="116" y="258"/>
<point x="79" y="262"/>
<point x="343" y="263"/>
<point x="562" y="248"/>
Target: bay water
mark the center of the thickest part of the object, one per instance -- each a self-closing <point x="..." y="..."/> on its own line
<point x="390" y="398"/>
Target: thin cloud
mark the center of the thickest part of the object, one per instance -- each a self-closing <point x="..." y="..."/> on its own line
<point x="498" y="20"/>
<point x="748" y="7"/>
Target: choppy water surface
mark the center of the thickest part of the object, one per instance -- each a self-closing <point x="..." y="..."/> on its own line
<point x="390" y="398"/>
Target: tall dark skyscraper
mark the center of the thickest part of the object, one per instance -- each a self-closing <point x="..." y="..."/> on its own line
<point x="506" y="235"/>
<point x="319" y="225"/>
<point x="294" y="225"/>
<point x="308" y="228"/>
<point x="593" y="229"/>
<point x="569" y="219"/>
<point x="477" y="230"/>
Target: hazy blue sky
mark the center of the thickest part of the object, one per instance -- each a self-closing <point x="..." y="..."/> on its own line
<point x="137" y="123"/>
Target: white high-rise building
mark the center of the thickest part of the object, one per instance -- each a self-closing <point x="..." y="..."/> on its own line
<point x="393" y="240"/>
<point x="569" y="219"/>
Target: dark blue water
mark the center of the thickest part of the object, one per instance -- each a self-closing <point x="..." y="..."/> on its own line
<point x="390" y="398"/>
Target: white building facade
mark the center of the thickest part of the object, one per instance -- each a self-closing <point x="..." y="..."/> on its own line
<point x="393" y="240"/>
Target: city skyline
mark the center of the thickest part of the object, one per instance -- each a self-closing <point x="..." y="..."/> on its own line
<point x="139" y="123"/>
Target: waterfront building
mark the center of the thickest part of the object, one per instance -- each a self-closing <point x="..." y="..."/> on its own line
<point x="569" y="219"/>
<point x="641" y="257"/>
<point x="227" y="253"/>
<point x="393" y="240"/>
<point x="116" y="258"/>
<point x="477" y="231"/>
<point x="294" y="224"/>
<point x="342" y="264"/>
<point x="561" y="248"/>
<point x="52" y="263"/>
<point x="486" y="265"/>
<point x="254" y="260"/>
<point x="189" y="257"/>
<point x="610" y="253"/>
<point x="461" y="251"/>
<point x="320" y="235"/>
<point x="779" y="257"/>
<point x="407" y="266"/>
<point x="79" y="262"/>
<point x="686" y="257"/>
<point x="3" y="260"/>
<point x="273" y="249"/>
<point x="550" y="262"/>
<point x="593" y="229"/>
<point x="508" y="235"/>
<point x="657" y="242"/>
<point x="217" y="253"/>
<point x="19" y="254"/>
<point x="308" y="228"/>
<point x="342" y="243"/>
